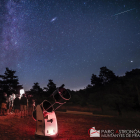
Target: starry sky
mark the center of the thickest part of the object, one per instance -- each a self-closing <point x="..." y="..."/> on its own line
<point x="68" y="40"/>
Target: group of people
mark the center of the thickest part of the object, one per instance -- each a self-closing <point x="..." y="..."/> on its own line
<point x="17" y="105"/>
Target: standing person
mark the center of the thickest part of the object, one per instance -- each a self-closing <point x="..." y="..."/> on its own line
<point x="30" y="105"/>
<point x="23" y="104"/>
<point x="4" y="104"/>
<point x="10" y="104"/>
<point x="16" y="104"/>
<point x="13" y="98"/>
<point x="34" y="107"/>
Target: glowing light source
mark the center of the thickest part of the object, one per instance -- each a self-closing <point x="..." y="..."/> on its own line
<point x="51" y="132"/>
<point x="21" y="92"/>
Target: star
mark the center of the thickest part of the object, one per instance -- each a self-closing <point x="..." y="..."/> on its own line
<point x="49" y="39"/>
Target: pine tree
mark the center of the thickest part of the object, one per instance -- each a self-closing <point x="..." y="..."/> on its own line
<point x="9" y="82"/>
<point x="51" y="87"/>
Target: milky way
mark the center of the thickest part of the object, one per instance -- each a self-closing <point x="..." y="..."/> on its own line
<point x="12" y="35"/>
<point x="67" y="41"/>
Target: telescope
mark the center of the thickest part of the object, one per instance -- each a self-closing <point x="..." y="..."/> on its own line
<point x="44" y="115"/>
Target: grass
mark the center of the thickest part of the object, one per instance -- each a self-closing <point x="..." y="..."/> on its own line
<point x="98" y="111"/>
<point x="70" y="126"/>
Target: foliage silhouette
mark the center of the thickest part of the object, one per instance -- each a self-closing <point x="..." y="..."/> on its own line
<point x="107" y="89"/>
<point x="10" y="82"/>
<point x="106" y="75"/>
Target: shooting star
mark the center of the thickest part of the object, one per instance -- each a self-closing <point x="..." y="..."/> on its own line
<point x="124" y="12"/>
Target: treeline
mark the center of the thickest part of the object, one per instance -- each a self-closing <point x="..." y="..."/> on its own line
<point x="117" y="92"/>
<point x="106" y="89"/>
<point x="9" y="83"/>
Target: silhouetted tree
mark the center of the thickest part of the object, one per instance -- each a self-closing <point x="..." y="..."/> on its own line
<point x="106" y="75"/>
<point x="96" y="81"/>
<point x="9" y="82"/>
<point x="36" y="88"/>
<point x="37" y="92"/>
<point x="133" y="79"/>
<point x="89" y="89"/>
<point x="51" y="87"/>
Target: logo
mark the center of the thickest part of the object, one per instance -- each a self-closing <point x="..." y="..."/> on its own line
<point x="114" y="133"/>
<point x="93" y="132"/>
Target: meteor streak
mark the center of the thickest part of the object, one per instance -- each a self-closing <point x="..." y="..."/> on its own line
<point x="124" y="12"/>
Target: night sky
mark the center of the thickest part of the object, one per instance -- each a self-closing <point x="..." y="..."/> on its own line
<point x="68" y="40"/>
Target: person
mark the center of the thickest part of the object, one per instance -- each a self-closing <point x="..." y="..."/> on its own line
<point x="13" y="98"/>
<point x="34" y="104"/>
<point x="4" y="104"/>
<point x="10" y="104"/>
<point x="23" y="104"/>
<point x="30" y="105"/>
<point x="16" y="104"/>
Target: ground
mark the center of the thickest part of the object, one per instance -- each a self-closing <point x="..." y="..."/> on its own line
<point x="70" y="126"/>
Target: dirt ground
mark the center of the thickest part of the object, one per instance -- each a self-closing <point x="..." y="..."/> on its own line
<point x="70" y="126"/>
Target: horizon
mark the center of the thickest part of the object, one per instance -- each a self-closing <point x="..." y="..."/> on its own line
<point x="76" y="89"/>
<point x="68" y="41"/>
